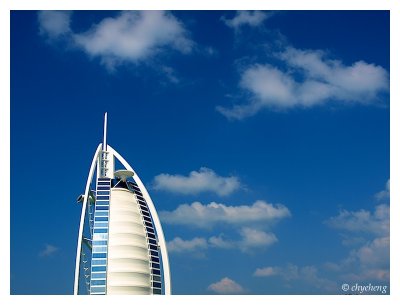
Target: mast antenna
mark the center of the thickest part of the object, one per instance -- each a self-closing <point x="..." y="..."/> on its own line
<point x="105" y="133"/>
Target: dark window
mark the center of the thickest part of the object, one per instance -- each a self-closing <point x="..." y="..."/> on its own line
<point x="155" y="253"/>
<point x="140" y="198"/>
<point x="98" y="268"/>
<point x="156" y="291"/>
<point x="101" y="207"/>
<point x="103" y="197"/>
<point x="150" y="230"/>
<point x="103" y="179"/>
<point x="156" y="284"/>
<point x="153" y="265"/>
<point x="145" y="213"/>
<point x="99" y="255"/>
<point x="155" y="271"/>
<point x="103" y="183"/>
<point x="121" y="184"/>
<point x="149" y="224"/>
<point x="144" y="208"/>
<point x="151" y="235"/>
<point x="152" y="241"/>
<point x="155" y="259"/>
<point x="153" y="247"/>
<point x="147" y="218"/>
<point x="156" y="278"/>
<point x="101" y="219"/>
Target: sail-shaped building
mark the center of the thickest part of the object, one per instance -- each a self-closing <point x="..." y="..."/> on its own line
<point x="121" y="247"/>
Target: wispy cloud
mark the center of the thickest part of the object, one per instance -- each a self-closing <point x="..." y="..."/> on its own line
<point x="293" y="273"/>
<point x="208" y="215"/>
<point x="204" y="180"/>
<point x="249" y="241"/>
<point x="132" y="36"/>
<point x="363" y="221"/>
<point x="370" y="260"/>
<point x="179" y="245"/>
<point x="307" y="78"/>
<point x="54" y="24"/>
<point x="49" y="250"/>
<point x="384" y="194"/>
<point x="226" y="286"/>
<point x="246" y="18"/>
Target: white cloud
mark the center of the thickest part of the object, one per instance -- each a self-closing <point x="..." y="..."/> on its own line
<point x="267" y="271"/>
<point x="385" y="193"/>
<point x="250" y="18"/>
<point x="308" y="79"/>
<point x="252" y="238"/>
<point x="204" y="180"/>
<point x="226" y="286"/>
<point x="220" y="242"/>
<point x="49" y="250"/>
<point x="205" y="216"/>
<point x="305" y="274"/>
<point x="376" y="223"/>
<point x="54" y="23"/>
<point x="132" y="36"/>
<point x="179" y="245"/>
<point x="370" y="261"/>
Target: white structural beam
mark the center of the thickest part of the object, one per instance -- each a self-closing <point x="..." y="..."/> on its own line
<point x="157" y="224"/>
<point x="83" y="214"/>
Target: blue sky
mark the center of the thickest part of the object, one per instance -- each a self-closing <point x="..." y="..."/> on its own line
<point x="263" y="139"/>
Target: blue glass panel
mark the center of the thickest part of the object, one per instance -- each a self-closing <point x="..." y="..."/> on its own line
<point x="101" y="202"/>
<point x="100" y="230"/>
<point x="104" y="255"/>
<point x="97" y="262"/>
<point x="99" y="249"/>
<point x="97" y="282"/>
<point x="101" y="213"/>
<point x="101" y="224"/>
<point x="103" y="197"/>
<point x="101" y="219"/>
<point x="98" y="289"/>
<point x="99" y="193"/>
<point x="156" y="291"/>
<point x="101" y="207"/>
<point x="98" y="268"/>
<point x="100" y="275"/>
<point x="99" y="242"/>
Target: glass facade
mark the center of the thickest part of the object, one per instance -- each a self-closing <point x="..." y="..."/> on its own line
<point x="100" y="237"/>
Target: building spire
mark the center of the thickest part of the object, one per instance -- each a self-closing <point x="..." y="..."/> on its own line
<point x="105" y="133"/>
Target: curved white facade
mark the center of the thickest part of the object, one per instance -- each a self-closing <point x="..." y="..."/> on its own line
<point x="121" y="246"/>
<point x="128" y="270"/>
